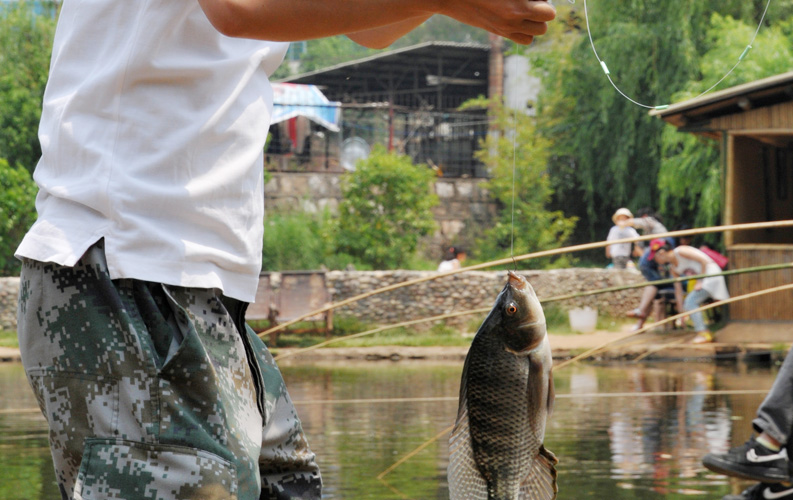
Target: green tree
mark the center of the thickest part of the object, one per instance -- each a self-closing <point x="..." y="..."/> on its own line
<point x="386" y="208"/>
<point x="26" y="39"/>
<point x="325" y="52"/>
<point x="300" y="241"/>
<point x="690" y="178"/>
<point x="17" y="213"/>
<point x="524" y="217"/>
<point x="606" y="150"/>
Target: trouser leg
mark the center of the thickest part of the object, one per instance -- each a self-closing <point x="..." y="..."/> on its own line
<point x="775" y="414"/>
<point x="692" y="301"/>
<point x="286" y="463"/>
<point x="146" y="388"/>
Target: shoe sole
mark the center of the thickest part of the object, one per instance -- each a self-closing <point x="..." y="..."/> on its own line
<point x="731" y="469"/>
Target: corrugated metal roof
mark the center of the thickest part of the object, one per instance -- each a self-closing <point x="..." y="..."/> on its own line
<point x="386" y="54"/>
<point x="430" y="75"/>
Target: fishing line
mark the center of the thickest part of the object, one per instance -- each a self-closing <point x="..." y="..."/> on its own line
<point x="514" y="162"/>
<point x="589" y="395"/>
<point x="664" y="106"/>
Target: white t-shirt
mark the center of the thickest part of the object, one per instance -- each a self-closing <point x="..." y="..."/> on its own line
<point x="152" y="135"/>
<point x="716" y="286"/>
<point x="449" y="265"/>
<point x="619" y="233"/>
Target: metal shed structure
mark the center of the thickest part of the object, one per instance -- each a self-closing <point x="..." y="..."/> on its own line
<point x="436" y="75"/>
<point x="754" y="125"/>
<point x="407" y="98"/>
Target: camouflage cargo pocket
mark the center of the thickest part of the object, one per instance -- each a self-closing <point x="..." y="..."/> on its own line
<point x="119" y="469"/>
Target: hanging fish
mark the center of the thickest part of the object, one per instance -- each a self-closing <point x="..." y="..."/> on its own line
<point x="496" y="449"/>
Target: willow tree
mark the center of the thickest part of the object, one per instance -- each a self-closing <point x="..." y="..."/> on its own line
<point x="606" y="150"/>
<point x="516" y="157"/>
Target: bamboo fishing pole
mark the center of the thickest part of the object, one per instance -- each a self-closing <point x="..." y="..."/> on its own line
<point x="593" y="351"/>
<point x="557" y="298"/>
<point x="534" y="255"/>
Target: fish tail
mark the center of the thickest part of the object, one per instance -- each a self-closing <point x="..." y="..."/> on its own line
<point x="540" y="483"/>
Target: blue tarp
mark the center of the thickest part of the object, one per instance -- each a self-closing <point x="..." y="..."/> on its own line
<point x="292" y="99"/>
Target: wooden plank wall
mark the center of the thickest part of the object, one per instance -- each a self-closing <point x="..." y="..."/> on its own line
<point x="769" y="118"/>
<point x="772" y="307"/>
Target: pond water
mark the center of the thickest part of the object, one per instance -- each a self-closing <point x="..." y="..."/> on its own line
<point x="627" y="431"/>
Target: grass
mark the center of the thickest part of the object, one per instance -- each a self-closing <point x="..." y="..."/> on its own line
<point x="306" y="334"/>
<point x="8" y="339"/>
<point x="438" y="334"/>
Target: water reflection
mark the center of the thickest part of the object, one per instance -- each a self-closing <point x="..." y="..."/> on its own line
<point x="621" y="432"/>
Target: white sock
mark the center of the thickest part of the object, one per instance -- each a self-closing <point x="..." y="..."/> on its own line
<point x="763" y="440"/>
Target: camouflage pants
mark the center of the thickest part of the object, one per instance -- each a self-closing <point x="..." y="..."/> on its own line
<point x="151" y="391"/>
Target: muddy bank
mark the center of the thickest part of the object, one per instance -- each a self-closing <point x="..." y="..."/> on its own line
<point x="735" y="342"/>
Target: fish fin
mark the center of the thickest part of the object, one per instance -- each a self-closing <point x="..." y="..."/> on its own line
<point x="551" y="393"/>
<point x="463" y="390"/>
<point x="540" y="483"/>
<point x="465" y="480"/>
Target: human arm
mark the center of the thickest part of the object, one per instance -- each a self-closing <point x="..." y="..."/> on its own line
<point x="678" y="292"/>
<point x="382" y="37"/>
<point x="292" y="20"/>
<point x="637" y="222"/>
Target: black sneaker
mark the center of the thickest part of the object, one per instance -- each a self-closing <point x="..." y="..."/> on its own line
<point x="762" y="491"/>
<point x="751" y="461"/>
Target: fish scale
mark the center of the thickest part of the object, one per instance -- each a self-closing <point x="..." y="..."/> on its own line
<point x="497" y="405"/>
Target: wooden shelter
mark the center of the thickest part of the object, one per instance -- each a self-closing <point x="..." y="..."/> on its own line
<point x="754" y="125"/>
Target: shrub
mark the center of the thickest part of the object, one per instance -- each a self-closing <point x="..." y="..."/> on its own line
<point x="17" y="213"/>
<point x="387" y="208"/>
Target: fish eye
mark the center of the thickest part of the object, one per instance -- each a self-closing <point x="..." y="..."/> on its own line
<point x="512" y="308"/>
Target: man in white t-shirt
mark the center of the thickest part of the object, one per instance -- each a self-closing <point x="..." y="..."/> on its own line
<point x="147" y="247"/>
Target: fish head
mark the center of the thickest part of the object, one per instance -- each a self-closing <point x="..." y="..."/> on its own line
<point x="521" y="316"/>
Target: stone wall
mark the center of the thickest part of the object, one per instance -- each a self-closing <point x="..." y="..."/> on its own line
<point x="459" y="292"/>
<point x="9" y="289"/>
<point x="464" y="203"/>
<point x="474" y="290"/>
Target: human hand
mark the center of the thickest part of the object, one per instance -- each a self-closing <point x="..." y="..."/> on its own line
<point x="517" y="20"/>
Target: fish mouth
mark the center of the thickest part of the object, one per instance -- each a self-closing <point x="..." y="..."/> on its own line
<point x="529" y="324"/>
<point x="516" y="281"/>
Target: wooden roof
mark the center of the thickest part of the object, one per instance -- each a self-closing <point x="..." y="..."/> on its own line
<point x="698" y="115"/>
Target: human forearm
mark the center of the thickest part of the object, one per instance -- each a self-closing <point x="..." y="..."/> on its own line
<point x="292" y="20"/>
<point x="678" y="295"/>
<point x="379" y="38"/>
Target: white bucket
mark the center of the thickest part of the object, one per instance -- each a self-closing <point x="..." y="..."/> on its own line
<point x="583" y="319"/>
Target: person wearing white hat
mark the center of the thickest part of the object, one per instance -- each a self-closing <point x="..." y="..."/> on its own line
<point x="620" y="253"/>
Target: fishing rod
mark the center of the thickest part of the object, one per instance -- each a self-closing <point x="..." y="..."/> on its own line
<point x="533" y="255"/>
<point x="772" y="267"/>
<point x="595" y="350"/>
